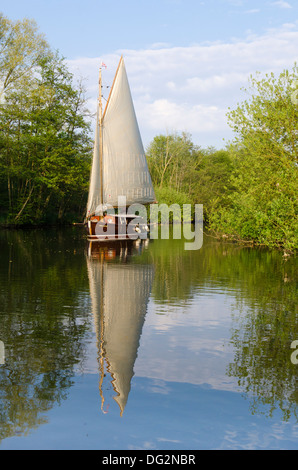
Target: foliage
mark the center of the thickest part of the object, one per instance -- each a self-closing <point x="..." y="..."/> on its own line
<point x="263" y="205"/>
<point x="249" y="189"/>
<point x="213" y="184"/>
<point x="172" y="161"/>
<point x="183" y="173"/>
<point x="21" y="47"/>
<point x="44" y="143"/>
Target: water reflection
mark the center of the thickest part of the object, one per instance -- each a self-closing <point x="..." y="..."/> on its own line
<point x="43" y="324"/>
<point x="261" y="289"/>
<point x="213" y="323"/>
<point x="120" y="292"/>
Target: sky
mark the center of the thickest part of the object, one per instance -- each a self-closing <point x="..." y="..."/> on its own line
<point x="188" y="61"/>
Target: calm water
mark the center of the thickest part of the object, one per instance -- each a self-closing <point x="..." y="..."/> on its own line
<point x="145" y="347"/>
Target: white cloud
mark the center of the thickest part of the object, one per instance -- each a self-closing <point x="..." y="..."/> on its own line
<point x="190" y="88"/>
<point x="254" y="10"/>
<point x="160" y="45"/>
<point x="282" y="4"/>
<point x="164" y="114"/>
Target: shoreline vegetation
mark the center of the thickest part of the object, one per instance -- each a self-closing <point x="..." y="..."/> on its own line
<point x="248" y="189"/>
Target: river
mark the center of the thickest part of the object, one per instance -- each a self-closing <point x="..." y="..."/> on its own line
<point x="145" y="345"/>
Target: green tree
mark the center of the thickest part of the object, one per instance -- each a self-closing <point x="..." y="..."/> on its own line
<point x="212" y="185"/>
<point x="171" y="160"/>
<point x="21" y="47"/>
<point x="183" y="173"/>
<point x="263" y="207"/>
<point x="44" y="143"/>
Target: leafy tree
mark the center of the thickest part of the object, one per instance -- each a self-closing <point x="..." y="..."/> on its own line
<point x="171" y="160"/>
<point x="213" y="179"/>
<point x="263" y="206"/>
<point x="44" y="142"/>
<point x="21" y="47"/>
<point x="183" y="173"/>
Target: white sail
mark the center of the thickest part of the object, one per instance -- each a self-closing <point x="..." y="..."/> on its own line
<point x="120" y="295"/>
<point x="124" y="166"/>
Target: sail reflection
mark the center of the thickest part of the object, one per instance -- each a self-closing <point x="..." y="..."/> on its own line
<point x="120" y="291"/>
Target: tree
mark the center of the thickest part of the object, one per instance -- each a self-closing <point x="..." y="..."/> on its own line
<point x="171" y="159"/>
<point x="263" y="207"/>
<point x="213" y="175"/>
<point x="44" y="140"/>
<point x="183" y="173"/>
<point x="21" y="47"/>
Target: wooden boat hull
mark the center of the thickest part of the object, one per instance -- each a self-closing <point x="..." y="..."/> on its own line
<point x="116" y="228"/>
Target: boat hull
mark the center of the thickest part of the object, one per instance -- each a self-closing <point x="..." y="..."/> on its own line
<point x="114" y="228"/>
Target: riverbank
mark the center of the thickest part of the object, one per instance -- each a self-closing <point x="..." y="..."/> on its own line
<point x="210" y="234"/>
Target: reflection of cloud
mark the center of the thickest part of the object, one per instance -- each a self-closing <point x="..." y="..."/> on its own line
<point x="159" y="386"/>
<point x="193" y="348"/>
<point x="172" y="441"/>
<point x="190" y="88"/>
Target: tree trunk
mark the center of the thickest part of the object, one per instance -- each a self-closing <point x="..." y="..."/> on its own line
<point x="25" y="203"/>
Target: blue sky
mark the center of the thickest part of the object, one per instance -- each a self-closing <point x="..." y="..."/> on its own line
<point x="186" y="59"/>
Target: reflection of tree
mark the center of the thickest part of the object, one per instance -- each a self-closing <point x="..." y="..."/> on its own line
<point x="42" y="324"/>
<point x="263" y="330"/>
<point x="265" y="319"/>
<point x="44" y="316"/>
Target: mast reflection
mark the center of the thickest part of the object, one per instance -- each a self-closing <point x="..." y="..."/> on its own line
<point x="120" y="290"/>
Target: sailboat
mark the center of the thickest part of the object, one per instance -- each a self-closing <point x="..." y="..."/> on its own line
<point x="119" y="176"/>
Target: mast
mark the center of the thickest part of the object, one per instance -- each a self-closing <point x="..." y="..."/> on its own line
<point x="112" y="87"/>
<point x="100" y="136"/>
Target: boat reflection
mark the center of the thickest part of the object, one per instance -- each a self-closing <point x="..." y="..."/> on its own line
<point x="120" y="290"/>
